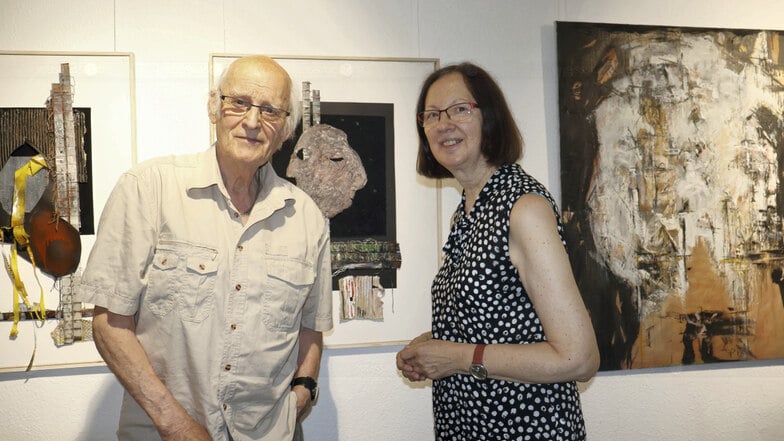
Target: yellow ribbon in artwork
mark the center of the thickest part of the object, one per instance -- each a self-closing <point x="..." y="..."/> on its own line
<point x="21" y="238"/>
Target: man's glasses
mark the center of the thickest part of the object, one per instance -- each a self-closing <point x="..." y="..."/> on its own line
<point x="460" y="112"/>
<point x="240" y="107"/>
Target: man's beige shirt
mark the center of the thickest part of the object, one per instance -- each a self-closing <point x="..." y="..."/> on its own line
<point x="218" y="304"/>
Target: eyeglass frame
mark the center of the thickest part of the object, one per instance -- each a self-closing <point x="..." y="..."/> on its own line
<point x="421" y="115"/>
<point x="280" y="113"/>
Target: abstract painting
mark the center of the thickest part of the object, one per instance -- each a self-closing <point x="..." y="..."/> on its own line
<point x="672" y="158"/>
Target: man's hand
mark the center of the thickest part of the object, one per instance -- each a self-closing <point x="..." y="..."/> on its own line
<point x="304" y="404"/>
<point x="187" y="430"/>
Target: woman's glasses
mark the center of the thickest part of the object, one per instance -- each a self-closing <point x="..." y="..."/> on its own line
<point x="460" y="112"/>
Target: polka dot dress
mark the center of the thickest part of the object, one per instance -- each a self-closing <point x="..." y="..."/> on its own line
<point x="478" y="298"/>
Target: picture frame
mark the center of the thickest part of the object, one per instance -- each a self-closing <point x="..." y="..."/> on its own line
<point x="104" y="82"/>
<point x="396" y="81"/>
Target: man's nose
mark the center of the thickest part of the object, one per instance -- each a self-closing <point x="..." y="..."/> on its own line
<point x="252" y="119"/>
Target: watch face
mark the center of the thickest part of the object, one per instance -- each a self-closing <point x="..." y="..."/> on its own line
<point x="478" y="371"/>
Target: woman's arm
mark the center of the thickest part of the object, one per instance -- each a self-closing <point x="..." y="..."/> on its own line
<point x="570" y="352"/>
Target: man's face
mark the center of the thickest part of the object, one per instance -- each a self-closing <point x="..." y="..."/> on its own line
<point x="249" y="139"/>
<point x="327" y="168"/>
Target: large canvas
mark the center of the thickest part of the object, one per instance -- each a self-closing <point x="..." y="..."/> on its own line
<point x="672" y="155"/>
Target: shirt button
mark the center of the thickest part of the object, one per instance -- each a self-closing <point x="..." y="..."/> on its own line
<point x="237" y="287"/>
<point x="225" y="406"/>
<point x="236" y="214"/>
<point x="233" y="327"/>
<point x="164" y="260"/>
<point x="239" y="248"/>
<point x="227" y="367"/>
<point x="201" y="266"/>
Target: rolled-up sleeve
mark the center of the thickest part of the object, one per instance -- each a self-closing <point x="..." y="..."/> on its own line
<point x="115" y="274"/>
<point x="317" y="311"/>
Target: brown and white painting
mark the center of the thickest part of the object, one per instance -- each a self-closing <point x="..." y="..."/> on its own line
<point x="672" y="158"/>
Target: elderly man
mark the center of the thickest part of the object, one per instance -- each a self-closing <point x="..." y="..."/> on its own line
<point x="210" y="277"/>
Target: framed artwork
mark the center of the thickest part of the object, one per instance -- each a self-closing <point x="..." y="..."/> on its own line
<point x="104" y="98"/>
<point x="373" y="101"/>
<point x="369" y="129"/>
<point x="672" y="152"/>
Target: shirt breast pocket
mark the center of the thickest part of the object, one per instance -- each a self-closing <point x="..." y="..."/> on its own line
<point x="196" y="297"/>
<point x="182" y="274"/>
<point x="161" y="283"/>
<point x="287" y="286"/>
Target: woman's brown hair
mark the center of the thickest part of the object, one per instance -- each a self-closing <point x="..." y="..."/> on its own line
<point x="502" y="142"/>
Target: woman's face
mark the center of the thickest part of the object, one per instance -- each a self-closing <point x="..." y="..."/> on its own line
<point x="455" y="145"/>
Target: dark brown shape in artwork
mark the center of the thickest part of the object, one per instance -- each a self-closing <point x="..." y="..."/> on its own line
<point x="55" y="243"/>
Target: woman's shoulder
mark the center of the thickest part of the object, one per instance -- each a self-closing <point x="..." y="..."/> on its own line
<point x="532" y="205"/>
<point x="520" y="182"/>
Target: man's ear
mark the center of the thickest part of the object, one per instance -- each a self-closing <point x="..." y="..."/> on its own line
<point x="213" y="106"/>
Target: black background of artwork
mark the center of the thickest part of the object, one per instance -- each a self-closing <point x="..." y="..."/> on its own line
<point x="369" y="128"/>
<point x="370" y="131"/>
<point x="87" y="212"/>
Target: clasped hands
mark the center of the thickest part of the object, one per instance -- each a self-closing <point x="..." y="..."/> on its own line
<point x="426" y="358"/>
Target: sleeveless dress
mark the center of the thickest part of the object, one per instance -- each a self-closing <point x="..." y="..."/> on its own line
<point x="478" y="298"/>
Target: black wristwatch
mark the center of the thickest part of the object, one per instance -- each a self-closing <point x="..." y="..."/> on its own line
<point x="309" y="383"/>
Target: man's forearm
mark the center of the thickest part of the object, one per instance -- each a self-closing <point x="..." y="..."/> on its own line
<point x="116" y="341"/>
<point x="310" y="347"/>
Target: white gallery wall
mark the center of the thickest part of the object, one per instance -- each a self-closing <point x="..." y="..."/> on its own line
<point x="362" y="395"/>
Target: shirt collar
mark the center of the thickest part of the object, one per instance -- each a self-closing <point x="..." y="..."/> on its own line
<point x="275" y="192"/>
<point x="206" y="172"/>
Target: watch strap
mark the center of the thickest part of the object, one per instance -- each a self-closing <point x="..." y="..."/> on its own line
<point x="309" y="383"/>
<point x="479" y="352"/>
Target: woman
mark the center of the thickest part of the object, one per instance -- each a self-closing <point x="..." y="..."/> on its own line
<point x="510" y="332"/>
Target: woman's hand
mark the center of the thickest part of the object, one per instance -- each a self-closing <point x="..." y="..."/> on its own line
<point x="407" y="369"/>
<point x="427" y="358"/>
